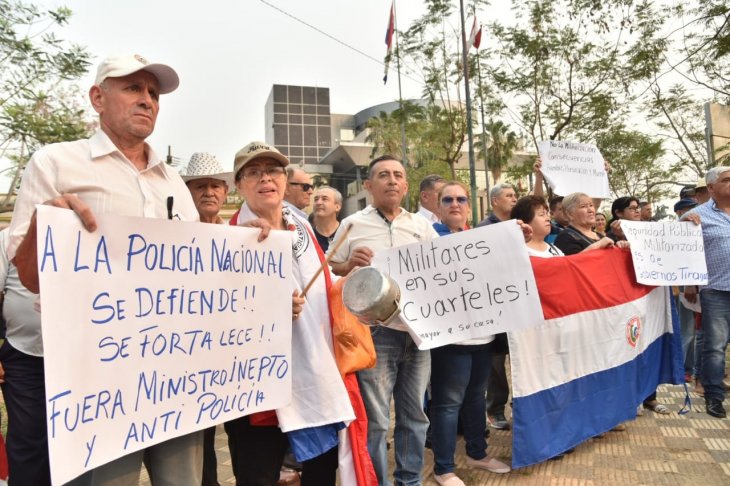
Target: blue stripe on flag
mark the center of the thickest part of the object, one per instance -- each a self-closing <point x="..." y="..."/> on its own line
<point x="552" y="421"/>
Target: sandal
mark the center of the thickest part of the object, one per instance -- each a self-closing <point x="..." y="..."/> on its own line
<point x="656" y="407"/>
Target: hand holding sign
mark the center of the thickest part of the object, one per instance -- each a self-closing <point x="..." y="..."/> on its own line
<point x="465" y="285"/>
<point x="574" y="167"/>
<point x="667" y="253"/>
<point x="168" y="330"/>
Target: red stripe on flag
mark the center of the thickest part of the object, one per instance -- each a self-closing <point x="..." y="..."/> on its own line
<point x="572" y="284"/>
<point x="391" y="27"/>
<point x="478" y="38"/>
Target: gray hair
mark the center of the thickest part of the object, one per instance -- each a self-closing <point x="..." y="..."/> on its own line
<point x="714" y="174"/>
<point x="338" y="194"/>
<point x="496" y="191"/>
<point x="292" y="171"/>
<point x="572" y="200"/>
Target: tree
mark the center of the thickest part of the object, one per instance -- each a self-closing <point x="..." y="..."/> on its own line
<point x="501" y="144"/>
<point x="704" y="46"/>
<point x="635" y="170"/>
<point x="428" y="134"/>
<point x="571" y="63"/>
<point x="681" y="121"/>
<point x="37" y="99"/>
<point x="432" y="46"/>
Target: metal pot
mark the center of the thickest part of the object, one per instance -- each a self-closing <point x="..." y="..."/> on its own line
<point x="372" y="296"/>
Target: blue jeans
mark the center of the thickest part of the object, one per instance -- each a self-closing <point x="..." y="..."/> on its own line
<point x="401" y="371"/>
<point x="699" y="344"/>
<point x="687" y="330"/>
<point x="716" y="327"/>
<point x="459" y="376"/>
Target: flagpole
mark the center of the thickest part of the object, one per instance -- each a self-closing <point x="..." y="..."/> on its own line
<point x="472" y="169"/>
<point x="484" y="132"/>
<point x="400" y="100"/>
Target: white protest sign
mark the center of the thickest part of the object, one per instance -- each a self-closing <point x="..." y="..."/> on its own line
<point x="153" y="329"/>
<point x="466" y="285"/>
<point x="573" y="167"/>
<point x="667" y="253"/>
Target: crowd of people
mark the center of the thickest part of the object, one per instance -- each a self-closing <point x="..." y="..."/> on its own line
<point x="464" y="384"/>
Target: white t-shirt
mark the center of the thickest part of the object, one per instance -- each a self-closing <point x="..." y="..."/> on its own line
<point x="23" y="321"/>
<point x="549" y="252"/>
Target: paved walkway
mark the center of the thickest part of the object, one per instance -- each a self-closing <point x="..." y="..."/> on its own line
<point x="692" y="449"/>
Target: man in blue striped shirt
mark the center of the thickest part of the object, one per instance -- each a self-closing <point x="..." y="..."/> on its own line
<point x="714" y="215"/>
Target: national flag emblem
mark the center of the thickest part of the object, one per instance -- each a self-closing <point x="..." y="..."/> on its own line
<point x="574" y="376"/>
<point x="633" y="331"/>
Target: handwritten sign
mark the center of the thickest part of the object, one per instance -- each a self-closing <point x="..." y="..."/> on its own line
<point x="573" y="167"/>
<point x="667" y="253"/>
<point x="466" y="285"/>
<point x="153" y="329"/>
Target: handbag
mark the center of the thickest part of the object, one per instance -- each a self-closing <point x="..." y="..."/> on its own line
<point x="353" y="344"/>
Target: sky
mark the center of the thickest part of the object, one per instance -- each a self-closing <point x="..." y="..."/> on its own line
<point x="229" y="54"/>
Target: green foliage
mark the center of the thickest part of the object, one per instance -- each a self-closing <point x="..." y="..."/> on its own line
<point x="635" y="170"/>
<point x="38" y="103"/>
<point x="681" y="120"/>
<point x="430" y="134"/>
<point x="501" y="144"/>
<point x="705" y="45"/>
<point x="570" y="64"/>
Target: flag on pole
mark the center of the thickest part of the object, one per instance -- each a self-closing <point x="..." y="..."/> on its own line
<point x="389" y="40"/>
<point x="475" y="38"/>
<point x="606" y="343"/>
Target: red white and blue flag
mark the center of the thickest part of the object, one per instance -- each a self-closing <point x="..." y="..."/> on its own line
<point x="389" y="40"/>
<point x="606" y="343"/>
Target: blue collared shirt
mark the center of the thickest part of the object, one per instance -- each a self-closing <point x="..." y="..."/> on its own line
<point x="716" y="235"/>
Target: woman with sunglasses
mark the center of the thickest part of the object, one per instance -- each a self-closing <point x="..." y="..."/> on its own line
<point x="459" y="374"/>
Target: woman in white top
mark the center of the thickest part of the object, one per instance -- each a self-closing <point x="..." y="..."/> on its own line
<point x="459" y="374"/>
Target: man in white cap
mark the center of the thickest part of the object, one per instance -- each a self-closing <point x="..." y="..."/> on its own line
<point x="208" y="184"/>
<point x="113" y="172"/>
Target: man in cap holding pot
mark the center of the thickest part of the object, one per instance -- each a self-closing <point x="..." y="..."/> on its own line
<point x="402" y="370"/>
<point x="113" y="172"/>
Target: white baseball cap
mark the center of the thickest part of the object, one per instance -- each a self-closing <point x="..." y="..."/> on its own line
<point x="118" y="66"/>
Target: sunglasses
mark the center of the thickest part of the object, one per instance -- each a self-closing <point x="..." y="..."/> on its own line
<point x="305" y="186"/>
<point x="447" y="200"/>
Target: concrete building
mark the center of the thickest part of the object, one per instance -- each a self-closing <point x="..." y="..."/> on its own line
<point x="333" y="147"/>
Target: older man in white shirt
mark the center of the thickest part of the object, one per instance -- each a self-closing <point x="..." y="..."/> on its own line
<point x="113" y="172"/>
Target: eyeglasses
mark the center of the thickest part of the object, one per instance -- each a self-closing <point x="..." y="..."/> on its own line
<point x="448" y="200"/>
<point x="306" y="187"/>
<point x="255" y="173"/>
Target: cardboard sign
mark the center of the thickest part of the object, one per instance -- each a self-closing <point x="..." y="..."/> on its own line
<point x="153" y="329"/>
<point x="667" y="253"/>
<point x="466" y="285"/>
<point x="573" y="167"/>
